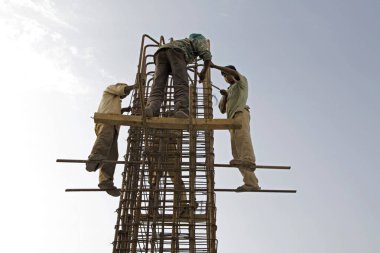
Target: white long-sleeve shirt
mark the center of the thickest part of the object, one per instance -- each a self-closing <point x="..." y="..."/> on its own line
<point x="111" y="99"/>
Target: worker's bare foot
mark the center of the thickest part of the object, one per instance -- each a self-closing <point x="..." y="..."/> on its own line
<point x="238" y="162"/>
<point x="247" y="188"/>
<point x="148" y="112"/>
<point x="110" y="188"/>
<point x="92" y="166"/>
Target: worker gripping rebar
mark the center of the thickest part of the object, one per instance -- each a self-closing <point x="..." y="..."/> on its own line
<point x="105" y="146"/>
<point x="173" y="58"/>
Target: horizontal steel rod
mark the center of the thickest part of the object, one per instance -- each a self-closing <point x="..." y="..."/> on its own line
<point x="85" y="161"/>
<point x="219" y="165"/>
<point x="216" y="190"/>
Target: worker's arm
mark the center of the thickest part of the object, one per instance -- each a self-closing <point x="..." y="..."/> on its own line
<point x="229" y="71"/>
<point x="128" y="89"/>
<point x="119" y="89"/>
<point x="223" y="101"/>
<point x="202" y="74"/>
<point x="201" y="47"/>
<point x="126" y="109"/>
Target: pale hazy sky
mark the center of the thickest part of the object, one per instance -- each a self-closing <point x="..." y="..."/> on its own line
<point x="313" y="71"/>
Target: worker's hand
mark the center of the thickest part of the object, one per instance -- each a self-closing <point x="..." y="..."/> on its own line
<point x="202" y="75"/>
<point x="223" y="92"/>
<point x="126" y="109"/>
<point x="128" y="89"/>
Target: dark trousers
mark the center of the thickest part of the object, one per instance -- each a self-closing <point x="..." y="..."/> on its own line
<point x="168" y="158"/>
<point x="105" y="148"/>
<point x="170" y="60"/>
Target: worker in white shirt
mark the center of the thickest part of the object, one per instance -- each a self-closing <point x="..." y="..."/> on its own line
<point x="105" y="147"/>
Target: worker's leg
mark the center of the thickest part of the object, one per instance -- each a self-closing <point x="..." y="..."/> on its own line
<point x="244" y="149"/>
<point x="155" y="173"/>
<point x="102" y="146"/>
<point x="180" y="80"/>
<point x="233" y="144"/>
<point x="108" y="169"/>
<point x="180" y="198"/>
<point x="176" y="177"/>
<point x="241" y="146"/>
<point x="249" y="177"/>
<point x="153" y="161"/>
<point x="154" y="181"/>
<point x="161" y="74"/>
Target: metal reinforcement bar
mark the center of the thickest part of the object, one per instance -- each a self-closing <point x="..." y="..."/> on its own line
<point x="171" y="190"/>
<point x="157" y="206"/>
<point x="219" y="165"/>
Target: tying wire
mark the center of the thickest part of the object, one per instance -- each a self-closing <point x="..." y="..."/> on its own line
<point x="213" y="96"/>
<point x="216" y="87"/>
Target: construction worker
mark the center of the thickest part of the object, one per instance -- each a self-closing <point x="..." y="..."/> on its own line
<point x="172" y="58"/>
<point x="165" y="158"/>
<point x="234" y="102"/>
<point x="105" y="147"/>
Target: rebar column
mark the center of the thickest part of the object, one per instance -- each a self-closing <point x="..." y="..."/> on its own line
<point x="168" y="201"/>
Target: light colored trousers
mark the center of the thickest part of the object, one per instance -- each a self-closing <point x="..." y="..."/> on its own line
<point x="242" y="149"/>
<point x="105" y="148"/>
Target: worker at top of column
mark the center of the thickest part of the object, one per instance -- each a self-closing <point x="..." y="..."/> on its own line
<point x="172" y="58"/>
<point x="105" y="146"/>
<point x="234" y="102"/>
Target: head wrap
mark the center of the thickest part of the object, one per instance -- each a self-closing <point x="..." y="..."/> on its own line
<point x="196" y="36"/>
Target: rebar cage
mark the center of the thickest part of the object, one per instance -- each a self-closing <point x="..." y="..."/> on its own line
<point x="168" y="199"/>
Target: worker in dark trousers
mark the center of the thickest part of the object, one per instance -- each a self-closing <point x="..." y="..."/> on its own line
<point x="105" y="147"/>
<point x="234" y="103"/>
<point x="172" y="58"/>
<point x="165" y="162"/>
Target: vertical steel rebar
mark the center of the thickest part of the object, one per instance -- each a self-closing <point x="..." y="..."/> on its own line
<point x="151" y="216"/>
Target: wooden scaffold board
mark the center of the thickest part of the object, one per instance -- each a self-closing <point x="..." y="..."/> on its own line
<point x="167" y="123"/>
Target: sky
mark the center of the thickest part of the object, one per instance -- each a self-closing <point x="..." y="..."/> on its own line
<point x="313" y="71"/>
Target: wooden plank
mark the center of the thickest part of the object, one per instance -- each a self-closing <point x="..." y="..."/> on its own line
<point x="167" y="123"/>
